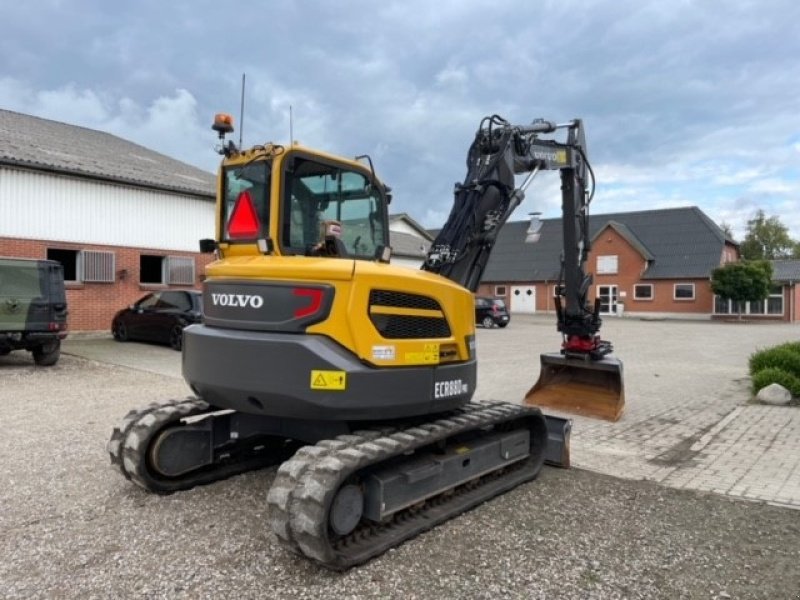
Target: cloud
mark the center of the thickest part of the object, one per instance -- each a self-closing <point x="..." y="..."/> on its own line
<point x="170" y="124"/>
<point x="683" y="103"/>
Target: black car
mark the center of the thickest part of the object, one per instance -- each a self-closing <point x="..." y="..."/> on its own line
<point x="491" y="311"/>
<point x="159" y="317"/>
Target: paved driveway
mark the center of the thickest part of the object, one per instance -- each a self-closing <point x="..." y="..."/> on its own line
<point x="689" y="421"/>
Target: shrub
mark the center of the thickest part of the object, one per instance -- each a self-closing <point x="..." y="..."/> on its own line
<point x="779" y="357"/>
<point x="770" y="375"/>
<point x="791" y="346"/>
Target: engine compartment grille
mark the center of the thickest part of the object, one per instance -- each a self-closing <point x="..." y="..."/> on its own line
<point x="402" y="300"/>
<point x="405" y="326"/>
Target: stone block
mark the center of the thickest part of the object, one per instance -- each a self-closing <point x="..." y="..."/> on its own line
<point x="774" y="394"/>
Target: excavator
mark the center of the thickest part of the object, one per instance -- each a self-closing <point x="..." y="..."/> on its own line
<point x="355" y="375"/>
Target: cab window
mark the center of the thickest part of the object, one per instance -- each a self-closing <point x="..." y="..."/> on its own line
<point x="316" y="194"/>
<point x="245" y="209"/>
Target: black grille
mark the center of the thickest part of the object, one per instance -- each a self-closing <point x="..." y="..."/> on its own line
<point x="402" y="300"/>
<point x="406" y="327"/>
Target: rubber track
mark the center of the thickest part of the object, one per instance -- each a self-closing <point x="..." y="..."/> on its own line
<point x="131" y="439"/>
<point x="304" y="487"/>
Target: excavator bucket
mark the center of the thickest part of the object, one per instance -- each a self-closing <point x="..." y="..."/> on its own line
<point x="591" y="388"/>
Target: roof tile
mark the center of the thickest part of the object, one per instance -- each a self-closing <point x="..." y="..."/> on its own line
<point x="47" y="145"/>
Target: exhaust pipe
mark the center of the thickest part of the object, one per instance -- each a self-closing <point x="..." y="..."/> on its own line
<point x="590" y="388"/>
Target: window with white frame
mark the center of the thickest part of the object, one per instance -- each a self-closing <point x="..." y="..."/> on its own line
<point x="771" y="306"/>
<point x="607" y="264"/>
<point x="684" y="291"/>
<point x="499" y="290"/>
<point x="643" y="291"/>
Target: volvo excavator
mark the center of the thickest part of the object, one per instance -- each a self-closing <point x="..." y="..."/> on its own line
<point x="356" y="375"/>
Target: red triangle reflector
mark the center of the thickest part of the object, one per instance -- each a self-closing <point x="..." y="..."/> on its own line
<point x="244" y="222"/>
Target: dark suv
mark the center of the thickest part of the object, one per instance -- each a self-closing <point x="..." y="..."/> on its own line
<point x="491" y="311"/>
<point x="33" y="308"/>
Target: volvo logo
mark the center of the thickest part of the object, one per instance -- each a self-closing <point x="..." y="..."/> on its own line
<point x="237" y="300"/>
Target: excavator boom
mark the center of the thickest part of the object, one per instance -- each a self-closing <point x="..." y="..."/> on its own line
<point x="582" y="378"/>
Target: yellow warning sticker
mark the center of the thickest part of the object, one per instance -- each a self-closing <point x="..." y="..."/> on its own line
<point x="429" y="355"/>
<point x="328" y="380"/>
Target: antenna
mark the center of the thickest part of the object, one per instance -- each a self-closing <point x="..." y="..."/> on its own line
<point x="291" y="127"/>
<point x="241" y="115"/>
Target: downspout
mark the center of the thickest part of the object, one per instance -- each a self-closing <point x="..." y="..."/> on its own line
<point x="546" y="297"/>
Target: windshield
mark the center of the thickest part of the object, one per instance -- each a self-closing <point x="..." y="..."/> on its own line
<point x="245" y="209"/>
<point x="318" y="195"/>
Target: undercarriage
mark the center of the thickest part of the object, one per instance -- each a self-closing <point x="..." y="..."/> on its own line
<point x="342" y="499"/>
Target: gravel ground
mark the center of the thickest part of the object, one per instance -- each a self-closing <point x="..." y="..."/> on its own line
<point x="70" y="527"/>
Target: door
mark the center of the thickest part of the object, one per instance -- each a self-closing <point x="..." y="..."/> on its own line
<point x="523" y="299"/>
<point x="609" y="296"/>
<point x="167" y="313"/>
<point x="140" y="319"/>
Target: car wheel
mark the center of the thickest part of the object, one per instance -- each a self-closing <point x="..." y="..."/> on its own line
<point x="47" y="354"/>
<point x="487" y="322"/>
<point x="501" y="325"/>
<point x="120" y="332"/>
<point x="176" y="337"/>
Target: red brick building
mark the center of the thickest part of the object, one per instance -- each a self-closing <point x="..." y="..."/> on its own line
<point x="122" y="219"/>
<point x="649" y="263"/>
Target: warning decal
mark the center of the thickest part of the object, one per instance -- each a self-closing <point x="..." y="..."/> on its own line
<point x="328" y="380"/>
<point x="429" y="355"/>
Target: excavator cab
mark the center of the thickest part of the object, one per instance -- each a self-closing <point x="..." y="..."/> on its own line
<point x="296" y="202"/>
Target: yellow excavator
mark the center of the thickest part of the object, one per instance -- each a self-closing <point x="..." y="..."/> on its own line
<point x="353" y="374"/>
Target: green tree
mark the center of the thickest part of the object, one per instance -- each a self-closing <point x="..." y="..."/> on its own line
<point x="767" y="239"/>
<point x="742" y="282"/>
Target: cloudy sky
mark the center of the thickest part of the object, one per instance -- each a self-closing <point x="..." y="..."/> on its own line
<point x="684" y="102"/>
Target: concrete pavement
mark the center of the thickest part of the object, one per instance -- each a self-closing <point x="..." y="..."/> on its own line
<point x="689" y="422"/>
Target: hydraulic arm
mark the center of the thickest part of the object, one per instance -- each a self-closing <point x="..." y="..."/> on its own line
<point x="488" y="196"/>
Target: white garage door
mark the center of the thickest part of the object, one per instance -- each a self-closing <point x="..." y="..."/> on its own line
<point x="523" y="299"/>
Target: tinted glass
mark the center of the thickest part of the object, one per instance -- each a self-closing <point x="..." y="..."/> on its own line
<point x="175" y="300"/>
<point x="250" y="181"/>
<point x="20" y="279"/>
<point x="316" y="193"/>
<point x="148" y="301"/>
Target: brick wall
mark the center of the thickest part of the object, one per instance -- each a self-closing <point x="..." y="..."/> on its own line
<point x="92" y="305"/>
<point x="630" y="267"/>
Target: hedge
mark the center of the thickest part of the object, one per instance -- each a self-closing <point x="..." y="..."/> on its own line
<point x="783" y="357"/>
<point x="771" y="375"/>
